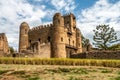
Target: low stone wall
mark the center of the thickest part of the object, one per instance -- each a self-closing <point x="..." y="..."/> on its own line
<point x="98" y="55"/>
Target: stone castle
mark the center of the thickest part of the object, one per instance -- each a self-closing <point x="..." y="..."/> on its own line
<point x="4" y="47"/>
<point x="57" y="40"/>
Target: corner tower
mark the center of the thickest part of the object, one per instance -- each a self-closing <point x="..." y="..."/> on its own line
<point x="78" y="41"/>
<point x="58" y="38"/>
<point x="23" y="36"/>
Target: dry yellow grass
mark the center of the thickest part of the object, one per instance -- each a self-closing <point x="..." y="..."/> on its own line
<point x="57" y="72"/>
<point x="56" y="61"/>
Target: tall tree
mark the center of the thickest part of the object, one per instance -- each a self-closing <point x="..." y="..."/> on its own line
<point x="11" y="50"/>
<point x="85" y="41"/>
<point x="104" y="36"/>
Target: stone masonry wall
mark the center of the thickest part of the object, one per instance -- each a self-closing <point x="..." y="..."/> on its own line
<point x="39" y="35"/>
<point x="4" y="48"/>
<point x="98" y="55"/>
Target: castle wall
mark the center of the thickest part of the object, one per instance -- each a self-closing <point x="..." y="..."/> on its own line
<point x="44" y="51"/>
<point x="54" y="40"/>
<point x="42" y="35"/>
<point x="39" y="40"/>
<point x="4" y="47"/>
<point x="1" y="45"/>
<point x="98" y="55"/>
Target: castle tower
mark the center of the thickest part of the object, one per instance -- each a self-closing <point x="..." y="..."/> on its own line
<point x="78" y="41"/>
<point x="58" y="38"/>
<point x="72" y="22"/>
<point x="4" y="47"/>
<point x="23" y="36"/>
<point x="73" y="29"/>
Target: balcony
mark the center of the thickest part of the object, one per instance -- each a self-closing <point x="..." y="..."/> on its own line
<point x="70" y="46"/>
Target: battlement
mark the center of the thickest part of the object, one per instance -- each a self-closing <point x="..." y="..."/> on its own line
<point x="41" y="27"/>
<point x="68" y="14"/>
<point x="2" y="35"/>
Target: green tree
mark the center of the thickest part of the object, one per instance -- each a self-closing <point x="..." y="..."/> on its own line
<point x="85" y="41"/>
<point x="115" y="47"/>
<point x="104" y="36"/>
<point x="11" y="50"/>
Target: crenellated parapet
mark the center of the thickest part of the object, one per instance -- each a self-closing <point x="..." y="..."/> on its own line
<point x="41" y="27"/>
<point x="68" y="14"/>
<point x="2" y="36"/>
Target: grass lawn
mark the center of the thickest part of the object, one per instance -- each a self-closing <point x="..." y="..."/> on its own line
<point x="56" y="72"/>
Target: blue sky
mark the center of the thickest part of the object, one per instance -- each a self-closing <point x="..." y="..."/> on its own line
<point x="89" y="13"/>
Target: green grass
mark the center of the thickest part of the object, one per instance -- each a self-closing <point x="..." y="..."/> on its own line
<point x="66" y="70"/>
<point x="61" y="61"/>
<point x="106" y="71"/>
<point x="119" y="73"/>
<point x="34" y="78"/>
<point x="74" y="78"/>
<point x="18" y="72"/>
<point x="25" y="76"/>
<point x="81" y="71"/>
<point x="116" y="78"/>
<point x="3" y="71"/>
<point x="69" y="70"/>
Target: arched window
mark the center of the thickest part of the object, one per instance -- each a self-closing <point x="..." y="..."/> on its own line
<point x="73" y="18"/>
<point x="73" y="42"/>
<point x="79" y="44"/>
<point x="39" y="39"/>
<point x="29" y="41"/>
<point x="67" y="22"/>
<point x="25" y="31"/>
<point x="48" y="38"/>
<point x="62" y="39"/>
<point x="58" y="21"/>
<point x="69" y="41"/>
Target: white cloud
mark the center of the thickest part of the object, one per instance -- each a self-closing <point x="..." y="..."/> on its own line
<point x="67" y="5"/>
<point x="103" y="12"/>
<point x="13" y="12"/>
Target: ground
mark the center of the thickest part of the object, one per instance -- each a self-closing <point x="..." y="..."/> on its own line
<point x="54" y="72"/>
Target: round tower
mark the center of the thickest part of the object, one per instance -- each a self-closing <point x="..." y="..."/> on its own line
<point x="58" y="39"/>
<point x="23" y="36"/>
<point x="78" y="41"/>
